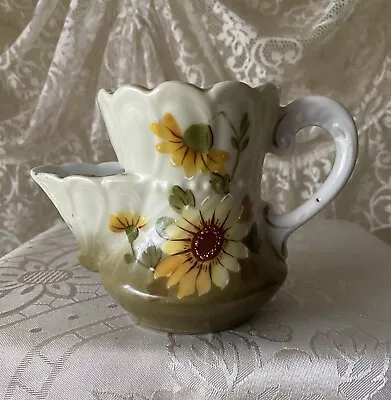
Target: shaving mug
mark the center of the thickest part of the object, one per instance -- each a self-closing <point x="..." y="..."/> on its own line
<point x="177" y="228"/>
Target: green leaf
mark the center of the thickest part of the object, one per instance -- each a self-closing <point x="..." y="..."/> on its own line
<point x="198" y="137"/>
<point x="151" y="256"/>
<point x="131" y="233"/>
<point x="128" y="258"/>
<point x="244" y="144"/>
<point x="244" y="124"/>
<point x="180" y="198"/>
<point x="220" y="184"/>
<point x="251" y="240"/>
<point x="161" y="225"/>
<point x="234" y="142"/>
<point x="217" y="183"/>
<point x="190" y="199"/>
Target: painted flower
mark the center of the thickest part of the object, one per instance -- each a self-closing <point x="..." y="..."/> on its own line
<point x="122" y="221"/>
<point x="204" y="244"/>
<point x="191" y="150"/>
<point x="127" y="222"/>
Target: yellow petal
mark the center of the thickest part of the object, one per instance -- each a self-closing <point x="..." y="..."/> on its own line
<point x="191" y="214"/>
<point x="237" y="249"/>
<point x="218" y="156"/>
<point x="178" y="274"/>
<point x="172" y="125"/>
<point x="120" y="221"/>
<point x="163" y="132"/>
<point x="175" y="246"/>
<point x="175" y="232"/>
<point x="141" y="222"/>
<point x="203" y="282"/>
<point x="214" y="167"/>
<point x="187" y="284"/>
<point x="168" y="265"/>
<point x="189" y="164"/>
<point x="234" y="216"/>
<point x="189" y="226"/>
<point x="215" y="160"/>
<point x="237" y="231"/>
<point x="223" y="209"/>
<point x="134" y="218"/>
<point x="179" y="155"/>
<point x="115" y="229"/>
<point x="115" y="225"/>
<point x="207" y="209"/>
<point x="200" y="164"/>
<point x="220" y="276"/>
<point x="168" y="147"/>
<point x="190" y="220"/>
<point x="128" y="218"/>
<point x="230" y="263"/>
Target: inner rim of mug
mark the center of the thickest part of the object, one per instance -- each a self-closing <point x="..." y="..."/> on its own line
<point x="81" y="169"/>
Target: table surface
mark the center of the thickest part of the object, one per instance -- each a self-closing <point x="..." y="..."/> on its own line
<point x="325" y="335"/>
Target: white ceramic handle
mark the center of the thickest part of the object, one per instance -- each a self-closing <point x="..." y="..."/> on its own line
<point x="332" y="116"/>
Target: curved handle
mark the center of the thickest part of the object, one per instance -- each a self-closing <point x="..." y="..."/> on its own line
<point x="326" y="113"/>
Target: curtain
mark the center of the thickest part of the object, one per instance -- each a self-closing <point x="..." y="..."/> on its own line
<point x="56" y="54"/>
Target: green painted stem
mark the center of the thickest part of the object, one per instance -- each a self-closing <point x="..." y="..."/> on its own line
<point x="223" y="114"/>
<point x="236" y="163"/>
<point x="131" y="247"/>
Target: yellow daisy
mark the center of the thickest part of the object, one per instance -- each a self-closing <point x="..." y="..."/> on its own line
<point x="204" y="244"/>
<point x="191" y="150"/>
<point x="121" y="221"/>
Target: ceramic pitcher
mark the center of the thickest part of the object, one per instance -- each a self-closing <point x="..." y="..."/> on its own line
<point x="178" y="229"/>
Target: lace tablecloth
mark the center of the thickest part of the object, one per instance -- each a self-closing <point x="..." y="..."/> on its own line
<point x="324" y="336"/>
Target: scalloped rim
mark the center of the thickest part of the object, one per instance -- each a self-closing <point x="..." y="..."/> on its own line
<point x="150" y="91"/>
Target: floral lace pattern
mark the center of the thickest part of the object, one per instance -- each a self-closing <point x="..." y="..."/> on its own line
<point x="54" y="55"/>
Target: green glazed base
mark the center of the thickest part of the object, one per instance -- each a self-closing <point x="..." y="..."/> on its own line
<point x="154" y="306"/>
<point x="162" y="315"/>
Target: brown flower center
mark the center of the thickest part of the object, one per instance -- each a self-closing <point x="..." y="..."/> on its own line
<point x="207" y="243"/>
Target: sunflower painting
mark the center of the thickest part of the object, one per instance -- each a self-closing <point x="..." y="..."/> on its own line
<point x="192" y="149"/>
<point x="204" y="246"/>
